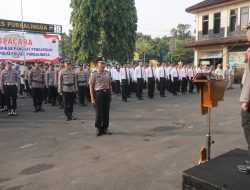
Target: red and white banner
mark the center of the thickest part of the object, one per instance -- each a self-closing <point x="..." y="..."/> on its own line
<point x="31" y="48"/>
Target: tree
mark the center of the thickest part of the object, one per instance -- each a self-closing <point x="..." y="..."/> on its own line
<point x="66" y="45"/>
<point x="103" y="27"/>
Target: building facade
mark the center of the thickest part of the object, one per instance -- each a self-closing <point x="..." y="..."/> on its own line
<point x="220" y="38"/>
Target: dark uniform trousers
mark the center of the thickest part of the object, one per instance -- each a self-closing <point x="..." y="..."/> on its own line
<point x="246" y="127"/>
<point x="124" y="89"/>
<point x="184" y="84"/>
<point x="117" y="87"/>
<point x="45" y="94"/>
<point x="162" y="86"/>
<point x="10" y="92"/>
<point x="38" y="96"/>
<point x="68" y="99"/>
<point x="102" y="109"/>
<point x="175" y="85"/>
<point x="52" y="92"/>
<point x="151" y="87"/>
<point x="27" y="88"/>
<point x="140" y="83"/>
<point x="82" y="92"/>
<point x="2" y="100"/>
<point x="170" y="84"/>
<point x="191" y="85"/>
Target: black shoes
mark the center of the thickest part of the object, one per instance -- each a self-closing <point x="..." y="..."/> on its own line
<point x="72" y="117"/>
<point x="12" y="112"/>
<point x="102" y="132"/>
<point x="38" y="108"/>
<point x="67" y="118"/>
<point x="244" y="168"/>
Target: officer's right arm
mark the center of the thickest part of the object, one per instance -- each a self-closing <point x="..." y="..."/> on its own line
<point x="30" y="79"/>
<point x="92" y="88"/>
<point x="60" y="83"/>
<point x="245" y="93"/>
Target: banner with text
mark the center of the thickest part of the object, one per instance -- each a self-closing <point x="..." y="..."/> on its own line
<point x="31" y="47"/>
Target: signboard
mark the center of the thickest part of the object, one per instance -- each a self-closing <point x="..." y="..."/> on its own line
<point x="32" y="47"/>
<point x="27" y="26"/>
<point x="211" y="55"/>
<point x="136" y="56"/>
<point x="236" y="59"/>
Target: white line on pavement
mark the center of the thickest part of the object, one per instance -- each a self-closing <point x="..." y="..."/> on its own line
<point x="74" y="133"/>
<point x="28" y="145"/>
<point x="72" y="182"/>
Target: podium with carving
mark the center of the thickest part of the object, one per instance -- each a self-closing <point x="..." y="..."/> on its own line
<point x="211" y="92"/>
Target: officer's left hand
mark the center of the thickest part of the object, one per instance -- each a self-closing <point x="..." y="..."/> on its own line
<point x="244" y="106"/>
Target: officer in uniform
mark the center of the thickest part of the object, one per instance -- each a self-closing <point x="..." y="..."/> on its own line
<point x="82" y="80"/>
<point x="37" y="84"/>
<point x="57" y="71"/>
<point x="67" y="88"/>
<point x="124" y="80"/>
<point x="139" y="77"/>
<point x="100" y="91"/>
<point x="10" y="82"/>
<point x="2" y="98"/>
<point x="245" y="105"/>
<point x="50" y="84"/>
<point x="150" y="77"/>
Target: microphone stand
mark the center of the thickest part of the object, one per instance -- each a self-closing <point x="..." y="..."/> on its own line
<point x="209" y="138"/>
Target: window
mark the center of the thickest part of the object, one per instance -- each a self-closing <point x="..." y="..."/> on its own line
<point x="233" y="20"/>
<point x="244" y="16"/>
<point x="217" y="18"/>
<point x="205" y="25"/>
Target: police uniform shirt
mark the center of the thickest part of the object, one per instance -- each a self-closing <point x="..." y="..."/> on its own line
<point x="9" y="77"/>
<point x="37" y="78"/>
<point x="100" y="80"/>
<point x="50" y="78"/>
<point x="124" y="74"/>
<point x="82" y="77"/>
<point x="57" y="71"/>
<point x="67" y="81"/>
<point x="150" y="73"/>
<point x="219" y="72"/>
<point x="245" y="92"/>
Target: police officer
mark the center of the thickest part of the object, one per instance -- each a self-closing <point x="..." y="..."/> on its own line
<point x="139" y="79"/>
<point x="82" y="80"/>
<point x="100" y="91"/>
<point x="10" y="82"/>
<point x="67" y="88"/>
<point x="50" y="84"/>
<point x="245" y="105"/>
<point x="150" y="78"/>
<point x="37" y="84"/>
<point x="2" y="98"/>
<point x="57" y="71"/>
<point x="124" y="80"/>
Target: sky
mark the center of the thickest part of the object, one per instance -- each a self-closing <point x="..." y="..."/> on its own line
<point x="155" y="17"/>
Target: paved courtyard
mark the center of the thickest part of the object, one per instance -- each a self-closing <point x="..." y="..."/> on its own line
<point x="153" y="142"/>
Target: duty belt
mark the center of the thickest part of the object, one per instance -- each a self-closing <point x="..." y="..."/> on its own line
<point x="37" y="81"/>
<point x="10" y="84"/>
<point x="68" y="84"/>
<point x="103" y="90"/>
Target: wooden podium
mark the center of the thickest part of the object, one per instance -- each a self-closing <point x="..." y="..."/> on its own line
<point x="211" y="92"/>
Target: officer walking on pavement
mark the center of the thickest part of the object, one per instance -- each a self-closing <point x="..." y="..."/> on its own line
<point x="82" y="80"/>
<point x="67" y="88"/>
<point x="37" y="84"/>
<point x="10" y="83"/>
<point x="100" y="91"/>
<point x="245" y="106"/>
<point x="124" y="80"/>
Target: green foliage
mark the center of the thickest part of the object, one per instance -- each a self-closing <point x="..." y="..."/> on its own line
<point x="158" y="48"/>
<point x="103" y="27"/>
